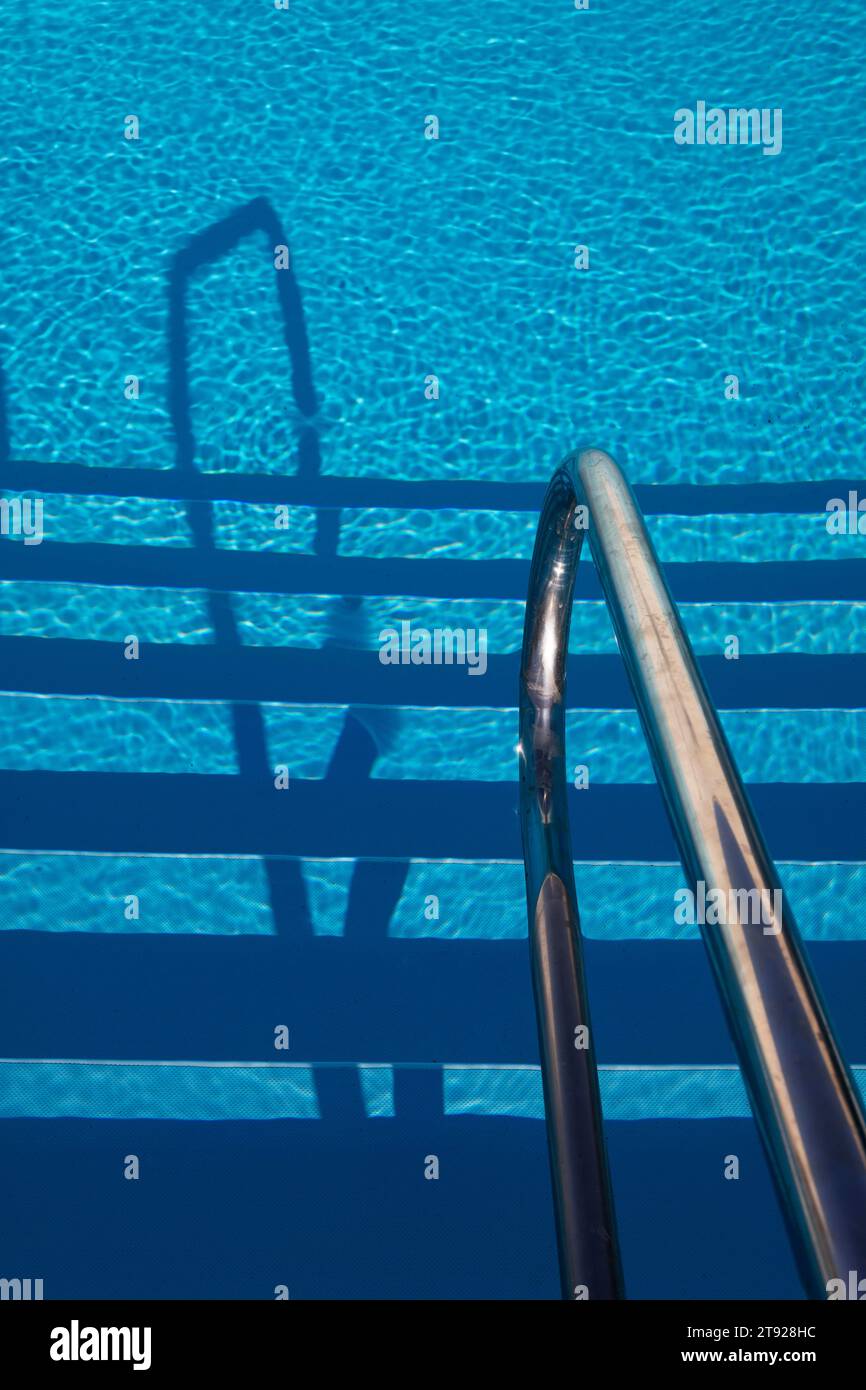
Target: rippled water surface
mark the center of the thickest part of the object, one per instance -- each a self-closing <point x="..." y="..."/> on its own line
<point x="452" y="257"/>
<point x="166" y="901"/>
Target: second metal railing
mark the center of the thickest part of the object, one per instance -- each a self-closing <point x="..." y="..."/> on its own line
<point x="802" y="1095"/>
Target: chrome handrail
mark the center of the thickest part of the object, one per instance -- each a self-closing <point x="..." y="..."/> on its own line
<point x="801" y="1092"/>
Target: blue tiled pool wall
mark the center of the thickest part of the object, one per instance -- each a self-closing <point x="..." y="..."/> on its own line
<point x="165" y="907"/>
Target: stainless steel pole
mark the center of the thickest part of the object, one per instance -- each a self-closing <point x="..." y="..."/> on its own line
<point x="803" y="1098"/>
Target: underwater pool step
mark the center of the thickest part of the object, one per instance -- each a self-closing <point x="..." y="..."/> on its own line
<point x="309" y="1203"/>
<point x="361" y="743"/>
<point x="443" y="900"/>
<point x="366" y="996"/>
<point x="123" y="1089"/>
<point x="419" y="533"/>
<point x="94" y="612"/>
<point x="245" y="571"/>
<point x="332" y="490"/>
<point x="325" y="676"/>
<point x="135" y="813"/>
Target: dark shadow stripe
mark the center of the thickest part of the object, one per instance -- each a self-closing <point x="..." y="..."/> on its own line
<point x="339" y="1209"/>
<point x="338" y="1090"/>
<point x="308" y="489"/>
<point x="328" y="675"/>
<point x="244" y="571"/>
<point x="653" y="1003"/>
<point x="184" y="813"/>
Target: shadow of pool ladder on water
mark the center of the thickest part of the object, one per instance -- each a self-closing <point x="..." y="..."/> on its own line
<point x="801" y="1092"/>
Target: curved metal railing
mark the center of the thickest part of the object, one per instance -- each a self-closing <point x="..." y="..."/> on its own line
<point x="802" y="1095"/>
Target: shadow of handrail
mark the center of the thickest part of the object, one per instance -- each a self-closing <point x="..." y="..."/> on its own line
<point x="289" y="907"/>
<point x="356" y="749"/>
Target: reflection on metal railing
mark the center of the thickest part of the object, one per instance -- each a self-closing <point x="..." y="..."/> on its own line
<point x="801" y="1092"/>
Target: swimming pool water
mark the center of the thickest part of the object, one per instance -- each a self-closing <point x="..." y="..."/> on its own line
<point x="166" y="908"/>
<point x="452" y="257"/>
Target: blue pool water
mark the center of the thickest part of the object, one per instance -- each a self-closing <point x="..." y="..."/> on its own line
<point x="164" y="908"/>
